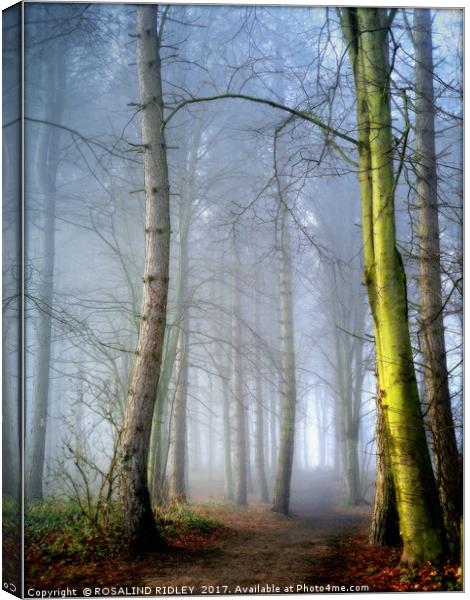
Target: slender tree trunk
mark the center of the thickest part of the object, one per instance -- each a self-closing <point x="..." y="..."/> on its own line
<point x="47" y="160"/>
<point x="210" y="430"/>
<point x="228" y="477"/>
<point x="446" y="456"/>
<point x="137" y="516"/>
<point x="179" y="427"/>
<point x="259" y="417"/>
<point x="353" y="421"/>
<point x="226" y="410"/>
<point x="273" y="427"/>
<point x="281" y="496"/>
<point x="195" y="462"/>
<point x="177" y="479"/>
<point x="305" y="438"/>
<point x="339" y="438"/>
<point x="366" y="33"/>
<point x="352" y="467"/>
<point x="259" y="441"/>
<point x="240" y="458"/>
<point x="321" y="420"/>
<point x="349" y="422"/>
<point x="249" y="473"/>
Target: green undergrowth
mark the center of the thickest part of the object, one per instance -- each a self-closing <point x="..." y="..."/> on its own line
<point x="58" y="531"/>
<point x="11" y="516"/>
<point x="179" y="518"/>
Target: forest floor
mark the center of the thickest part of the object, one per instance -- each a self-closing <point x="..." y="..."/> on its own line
<point x="322" y="547"/>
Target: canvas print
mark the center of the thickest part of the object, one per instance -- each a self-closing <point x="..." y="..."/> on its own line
<point x="232" y="299"/>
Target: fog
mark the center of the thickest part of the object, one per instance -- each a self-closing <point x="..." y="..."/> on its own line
<point x="266" y="297"/>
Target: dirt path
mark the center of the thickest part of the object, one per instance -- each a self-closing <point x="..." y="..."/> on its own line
<point x="257" y="551"/>
<point x="255" y="548"/>
<point x="259" y="547"/>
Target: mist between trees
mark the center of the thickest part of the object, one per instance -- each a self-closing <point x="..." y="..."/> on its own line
<point x="243" y="262"/>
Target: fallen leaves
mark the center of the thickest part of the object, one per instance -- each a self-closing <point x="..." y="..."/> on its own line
<point x="220" y="544"/>
<point x="353" y="561"/>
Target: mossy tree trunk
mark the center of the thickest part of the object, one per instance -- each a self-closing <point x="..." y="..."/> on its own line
<point x="437" y="398"/>
<point x="137" y="516"/>
<point x="366" y="33"/>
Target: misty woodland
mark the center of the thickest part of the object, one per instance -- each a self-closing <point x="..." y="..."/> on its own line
<point x="242" y="297"/>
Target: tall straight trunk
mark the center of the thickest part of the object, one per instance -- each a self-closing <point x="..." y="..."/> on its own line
<point x="446" y="456"/>
<point x="349" y="417"/>
<point x="273" y="427"/>
<point x="353" y="420"/>
<point x="137" y="516"/>
<point x="281" y="496"/>
<point x="259" y="417"/>
<point x="210" y="431"/>
<point x="306" y="439"/>
<point x="47" y="161"/>
<point x="179" y="426"/>
<point x="384" y="528"/>
<point x="352" y="467"/>
<point x="195" y="461"/>
<point x="179" y="420"/>
<point x="259" y="443"/>
<point x="228" y="475"/>
<point x="339" y="437"/>
<point x="226" y="405"/>
<point x="322" y="427"/>
<point x="249" y="472"/>
<point x="366" y="32"/>
<point x="240" y="457"/>
<point x="160" y="445"/>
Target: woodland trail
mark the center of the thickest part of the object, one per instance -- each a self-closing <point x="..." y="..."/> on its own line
<point x="254" y="550"/>
<point x="255" y="547"/>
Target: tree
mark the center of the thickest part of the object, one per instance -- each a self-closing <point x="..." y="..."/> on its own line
<point x="137" y="516"/>
<point x="177" y="482"/>
<point x="366" y="35"/>
<point x="384" y="529"/>
<point x="436" y="385"/>
<point x="238" y="400"/>
<point x="259" y="413"/>
<point x="281" y="494"/>
<point x="53" y="77"/>
<point x="343" y="305"/>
